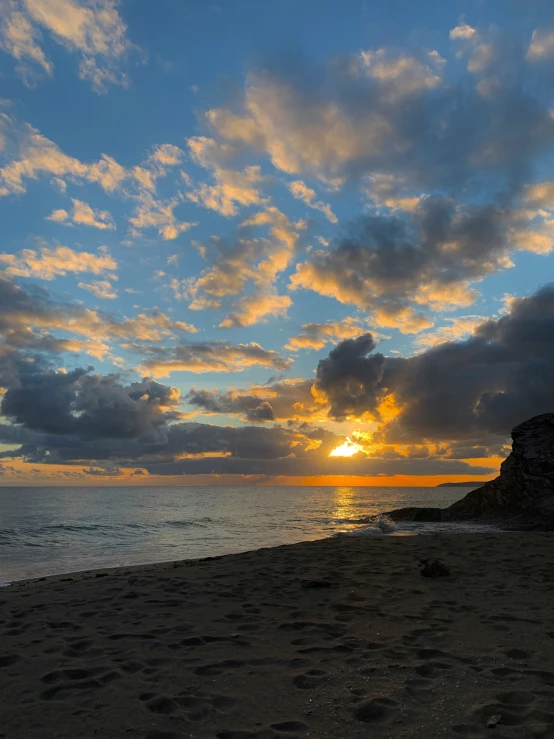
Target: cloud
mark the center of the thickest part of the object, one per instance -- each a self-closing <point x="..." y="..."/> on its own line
<point x="83" y="215"/>
<point x="317" y="335"/>
<point x="463" y="31"/>
<point x="48" y="263"/>
<point x="28" y="316"/>
<point x="473" y="389"/>
<point x="90" y="406"/>
<point x="76" y="417"/>
<point x="289" y="400"/>
<point x="30" y="155"/>
<point x="158" y="214"/>
<point x="100" y="288"/>
<point x="316" y="465"/>
<point x="404" y="75"/>
<point x="376" y="112"/>
<point x="114" y="429"/>
<point x="301" y="191"/>
<point x="456" y="328"/>
<point x="152" y="326"/>
<point x="93" y="29"/>
<point x="349" y="379"/>
<point x="299" y="132"/>
<point x="243" y="274"/>
<point x="542" y="45"/>
<point x="21" y="39"/>
<point x="539" y="195"/>
<point x="232" y="187"/>
<point x="208" y="356"/>
<point x="251" y="309"/>
<point x="394" y="266"/>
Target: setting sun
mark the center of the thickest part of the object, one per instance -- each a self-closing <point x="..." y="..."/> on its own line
<point x="348" y="449"/>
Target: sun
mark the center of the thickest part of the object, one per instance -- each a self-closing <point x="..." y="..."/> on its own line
<point x="348" y="449"/>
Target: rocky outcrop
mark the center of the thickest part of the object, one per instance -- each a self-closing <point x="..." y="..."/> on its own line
<point x="521" y="497"/>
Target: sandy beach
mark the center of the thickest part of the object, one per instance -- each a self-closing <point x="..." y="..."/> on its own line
<point x="334" y="638"/>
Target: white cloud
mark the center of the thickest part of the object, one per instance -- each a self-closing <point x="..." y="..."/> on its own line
<point x="457" y="328"/>
<point x="31" y="155"/>
<point x="321" y="138"/>
<point x="58" y="216"/>
<point x="317" y="335"/>
<point x="402" y="75"/>
<point x="301" y="191"/>
<point x="243" y="275"/>
<point x="462" y="31"/>
<point x="542" y="45"/>
<point x="158" y="214"/>
<point x="100" y="288"/>
<point x="21" y="39"/>
<point x="83" y="215"/>
<point x="232" y="187"/>
<point x="92" y="28"/>
<point x="47" y="263"/>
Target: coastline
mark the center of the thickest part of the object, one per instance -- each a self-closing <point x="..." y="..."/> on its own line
<point x="319" y="639"/>
<point x="375" y="525"/>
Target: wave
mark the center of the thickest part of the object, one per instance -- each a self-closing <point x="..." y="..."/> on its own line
<point x="31" y="536"/>
<point x="378" y="525"/>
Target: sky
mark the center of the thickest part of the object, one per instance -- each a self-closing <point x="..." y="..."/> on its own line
<point x="291" y="242"/>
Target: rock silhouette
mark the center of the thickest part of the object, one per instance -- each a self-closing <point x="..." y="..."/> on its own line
<point x="433" y="568"/>
<point x="521" y="497"/>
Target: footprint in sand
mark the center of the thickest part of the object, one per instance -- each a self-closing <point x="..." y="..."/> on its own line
<point x="310" y="679"/>
<point x="471" y="731"/>
<point x="376" y="711"/>
<point x="7" y="660"/>
<point x="289" y="726"/>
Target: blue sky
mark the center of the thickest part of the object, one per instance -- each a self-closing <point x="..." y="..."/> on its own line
<point x="214" y="195"/>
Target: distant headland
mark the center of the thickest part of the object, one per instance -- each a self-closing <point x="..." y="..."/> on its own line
<point x="467" y="484"/>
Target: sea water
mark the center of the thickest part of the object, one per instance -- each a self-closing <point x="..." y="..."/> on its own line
<point x="46" y="531"/>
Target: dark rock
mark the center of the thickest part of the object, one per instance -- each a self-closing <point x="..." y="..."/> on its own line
<point x="417" y="514"/>
<point x="433" y="568"/>
<point x="520" y="498"/>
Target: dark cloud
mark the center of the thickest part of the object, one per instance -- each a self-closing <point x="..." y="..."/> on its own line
<point x="89" y="406"/>
<point x="262" y="412"/>
<point x="392" y="266"/>
<point x="195" y="448"/>
<point x="281" y="399"/>
<point x="249" y="406"/>
<point x="207" y="356"/>
<point x="104" y="472"/>
<point x="461" y="396"/>
<point x="410" y="115"/>
<point x="350" y="379"/>
<point x="465" y="390"/>
<point x="315" y="466"/>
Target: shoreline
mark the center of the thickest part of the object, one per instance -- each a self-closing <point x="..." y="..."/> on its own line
<point x="318" y="638"/>
<point x="355" y="533"/>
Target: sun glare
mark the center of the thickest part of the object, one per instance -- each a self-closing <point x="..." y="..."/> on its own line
<point x="348" y="449"/>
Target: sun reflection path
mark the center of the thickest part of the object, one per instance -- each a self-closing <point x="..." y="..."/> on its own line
<point x="348" y="449"/>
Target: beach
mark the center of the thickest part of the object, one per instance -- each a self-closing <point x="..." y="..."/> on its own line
<point x="340" y="637"/>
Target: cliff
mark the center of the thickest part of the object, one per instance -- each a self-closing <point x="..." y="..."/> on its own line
<point x="521" y="497"/>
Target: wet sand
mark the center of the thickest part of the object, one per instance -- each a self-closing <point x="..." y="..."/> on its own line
<point x="248" y="646"/>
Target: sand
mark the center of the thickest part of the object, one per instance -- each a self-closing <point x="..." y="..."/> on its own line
<point x="238" y="647"/>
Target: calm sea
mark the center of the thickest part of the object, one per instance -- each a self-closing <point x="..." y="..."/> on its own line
<point x="45" y="531"/>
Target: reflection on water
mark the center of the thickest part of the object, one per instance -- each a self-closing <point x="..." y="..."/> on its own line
<point x="52" y="530"/>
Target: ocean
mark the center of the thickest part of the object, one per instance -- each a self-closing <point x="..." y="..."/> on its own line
<point x="48" y="531"/>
